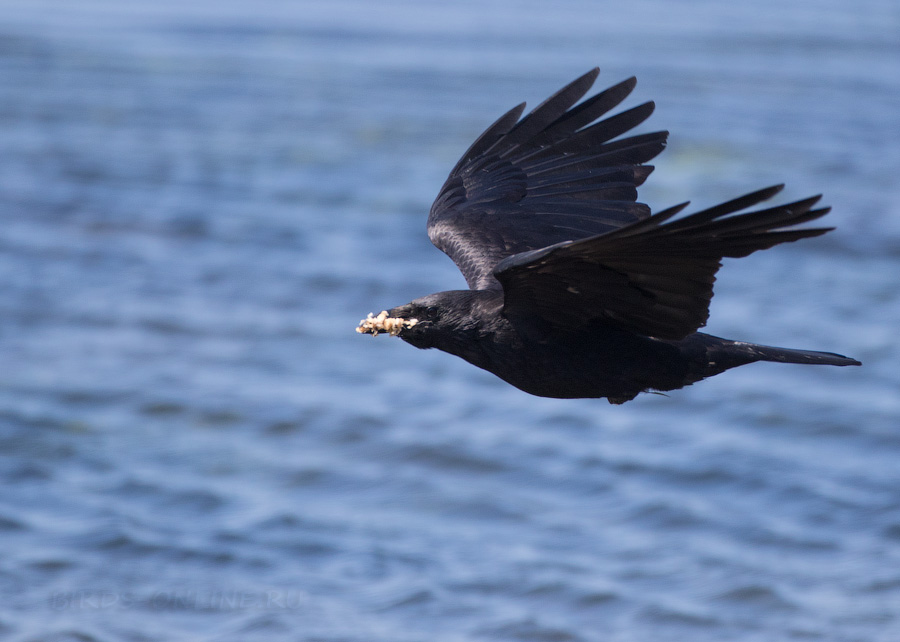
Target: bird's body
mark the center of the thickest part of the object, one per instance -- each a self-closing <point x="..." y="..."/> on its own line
<point x="576" y="290"/>
<point x="596" y="360"/>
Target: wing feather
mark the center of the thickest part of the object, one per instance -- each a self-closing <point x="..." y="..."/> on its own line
<point x="652" y="277"/>
<point x="545" y="207"/>
<point x="544" y="115"/>
<point x="552" y="176"/>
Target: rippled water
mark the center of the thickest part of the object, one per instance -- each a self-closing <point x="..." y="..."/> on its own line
<point x="200" y="200"/>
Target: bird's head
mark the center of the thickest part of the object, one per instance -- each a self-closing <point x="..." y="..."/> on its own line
<point x="424" y="321"/>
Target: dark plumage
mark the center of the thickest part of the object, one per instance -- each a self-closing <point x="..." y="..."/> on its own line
<point x="576" y="290"/>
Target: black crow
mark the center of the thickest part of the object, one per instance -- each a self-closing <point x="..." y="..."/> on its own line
<point x="575" y="289"/>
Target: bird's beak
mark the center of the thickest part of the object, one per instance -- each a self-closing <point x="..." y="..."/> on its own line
<point x="382" y="323"/>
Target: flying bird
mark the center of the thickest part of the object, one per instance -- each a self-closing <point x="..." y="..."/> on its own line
<point x="576" y="289"/>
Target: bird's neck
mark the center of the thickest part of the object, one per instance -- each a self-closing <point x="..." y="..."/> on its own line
<point x="472" y="330"/>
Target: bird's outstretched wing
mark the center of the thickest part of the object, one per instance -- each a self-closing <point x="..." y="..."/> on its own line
<point x="651" y="277"/>
<point x="552" y="176"/>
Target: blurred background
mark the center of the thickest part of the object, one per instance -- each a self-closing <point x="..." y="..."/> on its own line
<point x="199" y="201"/>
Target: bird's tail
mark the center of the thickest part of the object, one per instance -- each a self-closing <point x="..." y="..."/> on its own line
<point x="724" y="354"/>
<point x="790" y="355"/>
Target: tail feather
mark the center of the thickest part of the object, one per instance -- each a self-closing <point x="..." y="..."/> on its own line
<point x="705" y="355"/>
<point x="790" y="355"/>
<point x="730" y="354"/>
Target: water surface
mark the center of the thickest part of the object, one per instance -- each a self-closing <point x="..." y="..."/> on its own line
<point x="200" y="200"/>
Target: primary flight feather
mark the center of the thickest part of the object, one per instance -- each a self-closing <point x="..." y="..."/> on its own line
<point x="576" y="289"/>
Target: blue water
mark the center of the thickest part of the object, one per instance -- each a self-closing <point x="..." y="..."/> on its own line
<point x="199" y="200"/>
